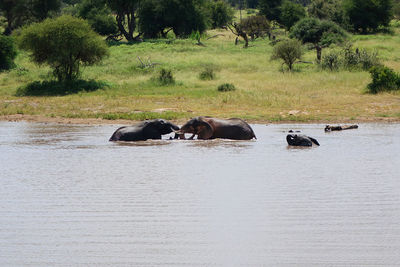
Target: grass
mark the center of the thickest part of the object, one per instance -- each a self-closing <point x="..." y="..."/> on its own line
<point x="264" y="93"/>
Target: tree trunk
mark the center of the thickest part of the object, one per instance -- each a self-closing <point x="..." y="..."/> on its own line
<point x="319" y="53"/>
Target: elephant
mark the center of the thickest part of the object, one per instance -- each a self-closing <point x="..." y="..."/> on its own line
<point x="329" y="128"/>
<point x="211" y="128"/>
<point x="149" y="129"/>
<point x="300" y="140"/>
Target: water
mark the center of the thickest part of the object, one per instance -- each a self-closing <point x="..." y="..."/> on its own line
<point x="68" y="197"/>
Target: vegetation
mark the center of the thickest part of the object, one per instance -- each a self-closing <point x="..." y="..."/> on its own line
<point x="368" y="15"/>
<point x="291" y="13"/>
<point x="383" y="79"/>
<point x="207" y="74"/>
<point x="289" y="51"/>
<point x="64" y="43"/>
<point x="8" y="52"/>
<point x="320" y="34"/>
<point x="221" y="14"/>
<point x="165" y="77"/>
<point x="226" y="87"/>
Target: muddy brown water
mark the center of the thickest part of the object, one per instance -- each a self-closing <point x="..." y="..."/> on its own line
<point x="68" y="197"/>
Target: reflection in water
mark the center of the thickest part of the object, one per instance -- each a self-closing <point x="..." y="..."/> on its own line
<point x="68" y="197"/>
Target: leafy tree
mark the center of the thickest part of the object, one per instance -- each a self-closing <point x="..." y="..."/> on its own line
<point x="289" y="51"/>
<point x="319" y="33"/>
<point x="40" y="9"/>
<point x="20" y="12"/>
<point x="291" y="13"/>
<point x="8" y="52"/>
<point x="368" y="15"/>
<point x="125" y="11"/>
<point x="327" y="10"/>
<point x="98" y="15"/>
<point x="271" y="9"/>
<point x="64" y="43"/>
<point x="252" y="3"/>
<point x="221" y="13"/>
<point x="181" y="16"/>
<point x="255" y="26"/>
<point x="15" y="12"/>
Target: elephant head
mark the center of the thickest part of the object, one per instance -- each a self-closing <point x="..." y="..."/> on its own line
<point x="300" y="140"/>
<point x="164" y="127"/>
<point x="198" y="126"/>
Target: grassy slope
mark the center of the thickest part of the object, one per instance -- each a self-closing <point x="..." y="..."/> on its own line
<point x="263" y="92"/>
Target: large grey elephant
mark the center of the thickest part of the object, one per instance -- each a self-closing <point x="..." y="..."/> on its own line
<point x="300" y="140"/>
<point x="211" y="128"/>
<point x="149" y="129"/>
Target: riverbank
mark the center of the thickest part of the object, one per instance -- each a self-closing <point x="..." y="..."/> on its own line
<point x="44" y="119"/>
<point x="263" y="92"/>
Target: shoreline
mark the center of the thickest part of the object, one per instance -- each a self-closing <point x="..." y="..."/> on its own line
<point x="94" y="121"/>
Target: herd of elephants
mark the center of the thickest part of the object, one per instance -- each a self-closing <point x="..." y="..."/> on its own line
<point x="207" y="128"/>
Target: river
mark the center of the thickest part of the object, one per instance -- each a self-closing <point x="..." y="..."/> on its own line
<point x="68" y="197"/>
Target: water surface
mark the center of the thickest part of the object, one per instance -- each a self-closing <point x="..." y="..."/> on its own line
<point x="68" y="197"/>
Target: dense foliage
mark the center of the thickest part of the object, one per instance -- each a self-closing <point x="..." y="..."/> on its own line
<point x="98" y="15"/>
<point x="289" y="51"/>
<point x="383" y="79"/>
<point x="64" y="43"/>
<point x="181" y="16"/>
<point x="125" y="11"/>
<point x="319" y="33"/>
<point x="220" y="13"/>
<point x="8" y="52"/>
<point x="327" y="10"/>
<point x="255" y="26"/>
<point x="291" y="13"/>
<point x="368" y="15"/>
<point x="271" y="9"/>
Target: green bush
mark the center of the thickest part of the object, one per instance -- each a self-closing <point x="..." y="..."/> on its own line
<point x="383" y="79"/>
<point x="8" y="52"/>
<point x="207" y="74"/>
<point x="220" y="13"/>
<point x="359" y="58"/>
<point x="331" y="61"/>
<point x="289" y="51"/>
<point x="54" y="88"/>
<point x="226" y="87"/>
<point x="64" y="43"/>
<point x="165" y="77"/>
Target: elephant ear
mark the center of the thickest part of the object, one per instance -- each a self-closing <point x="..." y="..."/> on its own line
<point x="314" y="141"/>
<point x="204" y="130"/>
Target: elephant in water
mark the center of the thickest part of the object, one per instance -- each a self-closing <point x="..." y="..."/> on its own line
<point x="211" y="128"/>
<point x="300" y="140"/>
<point x="149" y="129"/>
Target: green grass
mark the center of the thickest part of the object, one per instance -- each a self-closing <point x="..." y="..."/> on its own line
<point x="264" y="93"/>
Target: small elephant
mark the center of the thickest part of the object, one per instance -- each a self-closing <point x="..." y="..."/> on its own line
<point x="211" y="128"/>
<point x="300" y="140"/>
<point x="149" y="129"/>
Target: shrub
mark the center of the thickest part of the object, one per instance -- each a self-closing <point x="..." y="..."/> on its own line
<point x="291" y="13"/>
<point x="289" y="51"/>
<point x="331" y="61"/>
<point x="359" y="58"/>
<point x="165" y="77"/>
<point x="8" y="52"/>
<point x="226" y="87"/>
<point x="207" y="74"/>
<point x="64" y="43"/>
<point x="53" y="88"/>
<point x="220" y="13"/>
<point x="383" y="79"/>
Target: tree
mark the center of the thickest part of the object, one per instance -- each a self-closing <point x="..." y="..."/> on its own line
<point x="368" y="15"/>
<point x="98" y="15"/>
<point x="319" y="33"/>
<point x="8" y="52"/>
<point x="181" y="16"/>
<point x="15" y="12"/>
<point x="20" y="12"/>
<point x="255" y="26"/>
<point x="271" y="9"/>
<point x="221" y="13"/>
<point x="64" y="43"/>
<point x="327" y="10"/>
<point x="291" y="13"/>
<point x="289" y="51"/>
<point x="125" y="11"/>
